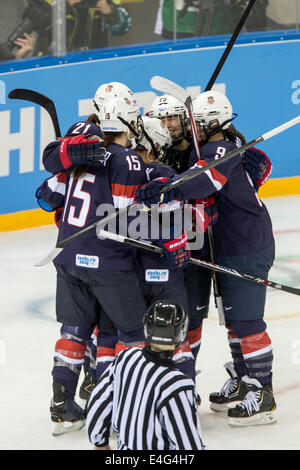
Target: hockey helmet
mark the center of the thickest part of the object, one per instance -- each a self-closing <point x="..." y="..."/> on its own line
<point x="165" y="322"/>
<point x="153" y="135"/>
<point x="167" y="105"/>
<point x="111" y="90"/>
<point x="213" y="110"/>
<point x="117" y="115"/>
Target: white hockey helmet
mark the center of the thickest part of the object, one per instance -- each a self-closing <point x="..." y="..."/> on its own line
<point x="212" y="107"/>
<point x="111" y="90"/>
<point x="154" y="135"/>
<point x="167" y="105"/>
<point x="117" y="114"/>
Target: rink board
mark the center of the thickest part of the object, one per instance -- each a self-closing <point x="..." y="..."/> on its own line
<point x="261" y="79"/>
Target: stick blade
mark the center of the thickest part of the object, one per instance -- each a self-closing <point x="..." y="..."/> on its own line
<point x="167" y="86"/>
<point x="29" y="95"/>
<point x="39" y="99"/>
<point x="50" y="257"/>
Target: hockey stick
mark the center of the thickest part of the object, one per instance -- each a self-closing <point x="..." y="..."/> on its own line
<point x="230" y="45"/>
<point x="174" y="184"/>
<point x="204" y="264"/>
<point x="42" y="100"/>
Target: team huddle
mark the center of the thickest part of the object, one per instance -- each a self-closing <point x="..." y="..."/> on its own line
<point x="132" y="318"/>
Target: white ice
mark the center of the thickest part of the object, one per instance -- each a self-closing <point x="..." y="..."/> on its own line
<point x="28" y="332"/>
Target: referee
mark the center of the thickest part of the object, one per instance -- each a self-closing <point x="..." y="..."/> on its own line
<point x="143" y="397"/>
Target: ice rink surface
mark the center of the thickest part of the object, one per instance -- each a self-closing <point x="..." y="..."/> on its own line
<point x="28" y="332"/>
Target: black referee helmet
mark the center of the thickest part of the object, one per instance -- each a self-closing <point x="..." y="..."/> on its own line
<point x="165" y="322"/>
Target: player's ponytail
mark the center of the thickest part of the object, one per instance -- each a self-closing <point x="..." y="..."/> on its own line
<point x="231" y="133"/>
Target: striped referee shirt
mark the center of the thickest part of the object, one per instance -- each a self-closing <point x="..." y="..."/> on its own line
<point x="147" y="401"/>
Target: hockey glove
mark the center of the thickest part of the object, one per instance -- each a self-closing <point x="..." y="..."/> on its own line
<point x="150" y="193"/>
<point x="258" y="166"/>
<point x="176" y="251"/>
<point x="82" y="150"/>
<point x="50" y="195"/>
<point x="204" y="213"/>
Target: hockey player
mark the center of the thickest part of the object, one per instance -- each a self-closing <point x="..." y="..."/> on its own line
<point x="90" y="277"/>
<point x="58" y="164"/>
<point x="244" y="241"/>
<point x="90" y="273"/>
<point x="143" y="397"/>
<point x="181" y="156"/>
<point x="103" y="93"/>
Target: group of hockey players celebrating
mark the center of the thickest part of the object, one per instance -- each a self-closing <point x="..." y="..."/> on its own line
<point x="132" y="318"/>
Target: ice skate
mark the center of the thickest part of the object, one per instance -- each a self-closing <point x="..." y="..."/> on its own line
<point x="67" y="415"/>
<point x="233" y="391"/>
<point x="257" y="407"/>
<point x="86" y="386"/>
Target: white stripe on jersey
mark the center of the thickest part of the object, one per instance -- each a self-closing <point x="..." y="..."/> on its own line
<point x="68" y="359"/>
<point x="121" y="201"/>
<point x="217" y="184"/>
<point x="56" y="186"/>
<point x="258" y="352"/>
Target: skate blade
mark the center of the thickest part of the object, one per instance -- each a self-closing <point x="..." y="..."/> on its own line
<point x="218" y="407"/>
<point x="67" y="426"/>
<point x="256" y="420"/>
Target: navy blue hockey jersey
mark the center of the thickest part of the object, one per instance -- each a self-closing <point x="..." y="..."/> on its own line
<point x="244" y="225"/>
<point x="89" y="198"/>
<point x="85" y="201"/>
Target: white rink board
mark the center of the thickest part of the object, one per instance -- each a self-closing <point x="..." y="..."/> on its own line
<point x="28" y="332"/>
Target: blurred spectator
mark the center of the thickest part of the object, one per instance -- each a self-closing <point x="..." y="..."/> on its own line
<point x="25" y="45"/>
<point x="196" y="17"/>
<point x="283" y="15"/>
<point x="257" y="20"/>
<point x="88" y="24"/>
<point x="35" y="16"/>
<point x="208" y="17"/>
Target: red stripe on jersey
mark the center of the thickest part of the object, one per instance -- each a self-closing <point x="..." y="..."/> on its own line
<point x="195" y="335"/>
<point x="124" y="190"/>
<point x="183" y="348"/>
<point x="103" y="351"/>
<point x="253" y="343"/>
<point x="121" y="346"/>
<point x="70" y="349"/>
<point x="215" y="173"/>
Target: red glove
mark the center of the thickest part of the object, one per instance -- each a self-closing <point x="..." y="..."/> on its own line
<point x="81" y="150"/>
<point x="176" y="251"/>
<point x="204" y="213"/>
